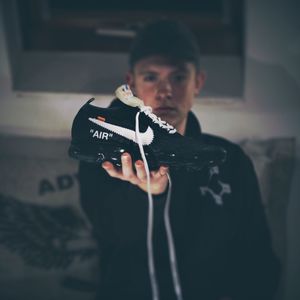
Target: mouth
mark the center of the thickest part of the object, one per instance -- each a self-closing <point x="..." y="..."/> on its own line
<point x="164" y="110"/>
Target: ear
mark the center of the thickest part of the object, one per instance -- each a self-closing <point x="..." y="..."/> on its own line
<point x="130" y="79"/>
<point x="200" y="81"/>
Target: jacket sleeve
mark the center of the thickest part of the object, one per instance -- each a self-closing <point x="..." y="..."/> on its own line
<point x="259" y="267"/>
<point x="94" y="189"/>
<point x="116" y="209"/>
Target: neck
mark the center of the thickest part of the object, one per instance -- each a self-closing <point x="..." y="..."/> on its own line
<point x="181" y="127"/>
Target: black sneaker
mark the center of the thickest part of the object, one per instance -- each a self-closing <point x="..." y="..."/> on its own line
<point x="103" y="134"/>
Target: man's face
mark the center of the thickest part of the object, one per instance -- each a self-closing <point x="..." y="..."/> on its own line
<point x="168" y="88"/>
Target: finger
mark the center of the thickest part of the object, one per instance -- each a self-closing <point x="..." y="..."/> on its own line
<point x="161" y="172"/>
<point x="140" y="171"/>
<point x="111" y="170"/>
<point x="127" y="169"/>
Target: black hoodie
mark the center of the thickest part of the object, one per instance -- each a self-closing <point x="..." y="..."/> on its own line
<point x="222" y="240"/>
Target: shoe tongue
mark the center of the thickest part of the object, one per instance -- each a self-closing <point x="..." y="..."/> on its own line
<point x="126" y="96"/>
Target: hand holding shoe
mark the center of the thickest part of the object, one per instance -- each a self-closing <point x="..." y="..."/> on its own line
<point x="158" y="179"/>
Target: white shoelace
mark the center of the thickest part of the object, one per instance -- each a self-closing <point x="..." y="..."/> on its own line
<point x="172" y="254"/>
<point x="147" y="110"/>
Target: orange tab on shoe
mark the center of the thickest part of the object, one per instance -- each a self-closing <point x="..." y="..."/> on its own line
<point x="101" y="118"/>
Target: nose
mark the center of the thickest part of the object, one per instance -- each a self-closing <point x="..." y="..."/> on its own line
<point x="164" y="90"/>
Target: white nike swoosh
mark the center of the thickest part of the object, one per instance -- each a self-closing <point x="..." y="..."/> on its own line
<point x="146" y="137"/>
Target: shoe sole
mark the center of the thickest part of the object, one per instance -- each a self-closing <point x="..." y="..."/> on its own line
<point x="102" y="153"/>
<point x="109" y="152"/>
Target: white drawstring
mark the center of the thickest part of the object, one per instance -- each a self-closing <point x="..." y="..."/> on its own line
<point x="172" y="255"/>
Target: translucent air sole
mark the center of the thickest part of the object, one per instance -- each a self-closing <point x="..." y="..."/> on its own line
<point x="112" y="152"/>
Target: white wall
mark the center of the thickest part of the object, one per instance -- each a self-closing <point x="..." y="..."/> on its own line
<point x="271" y="105"/>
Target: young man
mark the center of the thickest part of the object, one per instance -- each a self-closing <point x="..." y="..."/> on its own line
<point x="222" y="241"/>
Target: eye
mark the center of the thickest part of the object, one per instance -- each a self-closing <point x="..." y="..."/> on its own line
<point x="180" y="77"/>
<point x="150" y="77"/>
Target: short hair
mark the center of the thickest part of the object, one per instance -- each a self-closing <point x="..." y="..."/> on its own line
<point x="167" y="38"/>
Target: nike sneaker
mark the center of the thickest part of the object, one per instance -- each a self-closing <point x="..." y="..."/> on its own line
<point x="103" y="134"/>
